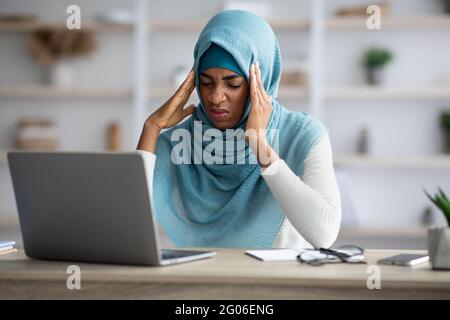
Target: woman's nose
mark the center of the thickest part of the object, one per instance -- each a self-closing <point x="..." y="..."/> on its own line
<point x="217" y="95"/>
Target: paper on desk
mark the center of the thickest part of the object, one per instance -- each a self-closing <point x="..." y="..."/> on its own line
<point x="275" y="254"/>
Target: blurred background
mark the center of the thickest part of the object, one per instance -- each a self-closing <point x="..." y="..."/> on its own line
<point x="383" y="93"/>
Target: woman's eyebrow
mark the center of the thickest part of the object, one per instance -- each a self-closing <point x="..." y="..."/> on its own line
<point x="229" y="77"/>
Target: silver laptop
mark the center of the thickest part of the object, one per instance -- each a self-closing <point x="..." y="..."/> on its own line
<point x="92" y="207"/>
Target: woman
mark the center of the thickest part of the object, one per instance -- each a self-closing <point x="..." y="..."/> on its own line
<point x="286" y="197"/>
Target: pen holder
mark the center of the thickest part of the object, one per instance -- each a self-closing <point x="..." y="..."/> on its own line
<point x="439" y="247"/>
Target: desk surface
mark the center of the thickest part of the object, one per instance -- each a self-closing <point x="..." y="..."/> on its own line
<point x="229" y="275"/>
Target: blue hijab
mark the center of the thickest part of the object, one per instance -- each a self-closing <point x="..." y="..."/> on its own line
<point x="200" y="204"/>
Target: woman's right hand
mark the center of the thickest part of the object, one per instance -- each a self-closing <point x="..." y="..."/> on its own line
<point x="168" y="115"/>
<point x="172" y="112"/>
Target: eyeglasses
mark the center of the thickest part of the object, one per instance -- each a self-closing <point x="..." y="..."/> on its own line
<point x="347" y="254"/>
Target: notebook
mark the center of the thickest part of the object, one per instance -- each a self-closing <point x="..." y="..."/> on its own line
<point x="275" y="254"/>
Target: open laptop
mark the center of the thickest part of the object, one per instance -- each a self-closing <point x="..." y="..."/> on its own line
<point x="92" y="207"/>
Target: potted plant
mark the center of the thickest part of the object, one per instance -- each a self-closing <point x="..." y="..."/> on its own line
<point x="375" y="59"/>
<point x="445" y="125"/>
<point x="57" y="47"/>
<point x="439" y="238"/>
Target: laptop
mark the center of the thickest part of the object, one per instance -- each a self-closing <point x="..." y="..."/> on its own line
<point x="89" y="207"/>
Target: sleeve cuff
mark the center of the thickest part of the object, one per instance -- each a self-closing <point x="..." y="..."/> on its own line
<point x="146" y="154"/>
<point x="273" y="168"/>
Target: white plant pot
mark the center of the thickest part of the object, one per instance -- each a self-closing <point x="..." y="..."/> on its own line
<point x="375" y="75"/>
<point x="61" y="74"/>
<point x="439" y="247"/>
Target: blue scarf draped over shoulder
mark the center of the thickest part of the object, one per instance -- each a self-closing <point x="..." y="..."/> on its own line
<point x="223" y="204"/>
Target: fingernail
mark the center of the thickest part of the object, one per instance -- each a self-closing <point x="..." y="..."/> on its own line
<point x="257" y="64"/>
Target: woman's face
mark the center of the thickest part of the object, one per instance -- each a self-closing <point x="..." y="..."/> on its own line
<point x="224" y="95"/>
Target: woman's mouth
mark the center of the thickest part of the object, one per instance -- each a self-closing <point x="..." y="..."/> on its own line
<point x="218" y="114"/>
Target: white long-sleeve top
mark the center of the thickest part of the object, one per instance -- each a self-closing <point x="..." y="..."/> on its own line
<point x="311" y="203"/>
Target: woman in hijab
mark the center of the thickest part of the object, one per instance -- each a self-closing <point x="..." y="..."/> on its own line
<point x="274" y="185"/>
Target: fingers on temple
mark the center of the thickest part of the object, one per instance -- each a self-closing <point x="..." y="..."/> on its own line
<point x="261" y="91"/>
<point x="254" y="95"/>
<point x="189" y="110"/>
<point x="187" y="86"/>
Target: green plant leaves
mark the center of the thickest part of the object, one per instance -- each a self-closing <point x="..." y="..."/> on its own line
<point x="442" y="202"/>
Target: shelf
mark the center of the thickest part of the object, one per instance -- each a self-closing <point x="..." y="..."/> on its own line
<point x="159" y="26"/>
<point x="390" y="232"/>
<point x="337" y="93"/>
<point x="284" y="92"/>
<point x="387" y="92"/>
<point x="399" y="23"/>
<point x="190" y="26"/>
<point x="394" y="162"/>
<point x="384" y="162"/>
<point x="55" y="92"/>
<point x="29" y="26"/>
<point x="332" y="23"/>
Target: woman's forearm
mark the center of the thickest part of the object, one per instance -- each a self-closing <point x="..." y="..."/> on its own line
<point x="312" y="204"/>
<point x="149" y="137"/>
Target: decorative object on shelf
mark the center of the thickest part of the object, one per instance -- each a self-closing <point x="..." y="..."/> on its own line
<point x="260" y="8"/>
<point x="118" y="16"/>
<point x="178" y="75"/>
<point x="427" y="216"/>
<point x="16" y="18"/>
<point x="295" y="73"/>
<point x="56" y="48"/>
<point x="362" y="146"/>
<point x="439" y="238"/>
<point x="361" y="10"/>
<point x="445" y="125"/>
<point x="375" y="60"/>
<point x="113" y="137"/>
<point x="36" y="134"/>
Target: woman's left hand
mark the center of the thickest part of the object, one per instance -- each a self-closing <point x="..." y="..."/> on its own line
<point x="261" y="104"/>
<point x="258" y="119"/>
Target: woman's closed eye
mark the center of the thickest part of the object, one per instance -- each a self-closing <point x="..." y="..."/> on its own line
<point x="230" y="85"/>
<point x="234" y="85"/>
